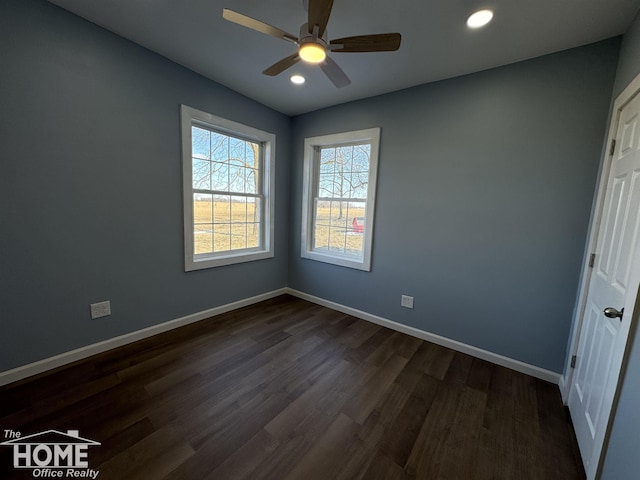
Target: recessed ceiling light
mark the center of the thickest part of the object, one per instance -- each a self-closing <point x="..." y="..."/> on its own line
<point x="479" y="18"/>
<point x="297" y="79"/>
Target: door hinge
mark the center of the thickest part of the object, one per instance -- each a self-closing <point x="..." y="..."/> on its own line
<point x="592" y="260"/>
<point x="613" y="147"/>
<point x="573" y="361"/>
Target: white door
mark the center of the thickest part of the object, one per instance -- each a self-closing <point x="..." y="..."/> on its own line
<point x="614" y="285"/>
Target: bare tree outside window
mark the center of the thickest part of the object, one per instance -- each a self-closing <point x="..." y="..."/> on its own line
<point x="228" y="186"/>
<point x="343" y="179"/>
<point x="227" y="197"/>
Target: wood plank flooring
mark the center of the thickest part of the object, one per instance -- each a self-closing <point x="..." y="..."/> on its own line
<point x="286" y="389"/>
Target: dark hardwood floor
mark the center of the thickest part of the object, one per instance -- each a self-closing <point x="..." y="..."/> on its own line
<point x="286" y="389"/>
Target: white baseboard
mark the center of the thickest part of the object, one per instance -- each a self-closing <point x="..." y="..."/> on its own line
<point x="516" y="365"/>
<point x="40" y="366"/>
<point x="564" y="390"/>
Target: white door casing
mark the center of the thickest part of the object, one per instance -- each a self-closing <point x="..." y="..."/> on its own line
<point x="613" y="283"/>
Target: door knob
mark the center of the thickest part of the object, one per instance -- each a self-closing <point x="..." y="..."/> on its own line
<point x="611" y="312"/>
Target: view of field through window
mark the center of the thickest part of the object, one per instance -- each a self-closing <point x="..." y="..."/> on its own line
<point x="227" y="195"/>
<point x="340" y="200"/>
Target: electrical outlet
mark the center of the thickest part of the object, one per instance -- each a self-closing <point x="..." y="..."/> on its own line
<point x="101" y="309"/>
<point x="406" y="301"/>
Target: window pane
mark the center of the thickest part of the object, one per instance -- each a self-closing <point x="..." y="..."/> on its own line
<point x="202" y="208"/>
<point x="222" y="238"/>
<point x="354" y="244"/>
<point x="321" y="225"/>
<point x="201" y="174"/>
<point x="200" y="143"/>
<point x="203" y="238"/>
<point x="357" y="211"/>
<point x="219" y="147"/>
<point x="221" y="209"/>
<point x="345" y="156"/>
<point x="236" y="150"/>
<point x="359" y="182"/>
<point x="252" y="159"/>
<point x="253" y="235"/>
<point x="254" y="219"/>
<point x="337" y="236"/>
<point x="219" y="177"/>
<point x="238" y="235"/>
<point x="344" y="172"/>
<point x="238" y="209"/>
<point x="339" y="227"/>
<point x="327" y="160"/>
<point x="326" y="218"/>
<point x="361" y="156"/>
<point x="236" y="179"/>
<point x="252" y="178"/>
<point x="326" y="185"/>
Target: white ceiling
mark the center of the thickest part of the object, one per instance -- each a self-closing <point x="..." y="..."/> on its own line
<point x="436" y="43"/>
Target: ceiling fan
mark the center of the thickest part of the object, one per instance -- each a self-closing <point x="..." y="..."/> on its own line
<point x="312" y="42"/>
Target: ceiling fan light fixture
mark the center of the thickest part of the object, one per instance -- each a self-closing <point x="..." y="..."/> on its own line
<point x="313" y="43"/>
<point x="479" y="18"/>
<point x="312" y="52"/>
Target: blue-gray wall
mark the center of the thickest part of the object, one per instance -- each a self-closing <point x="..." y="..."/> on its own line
<point x="90" y="186"/>
<point x="485" y="185"/>
<point x="622" y="461"/>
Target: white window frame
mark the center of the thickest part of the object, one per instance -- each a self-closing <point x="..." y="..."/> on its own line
<point x="190" y="116"/>
<point x="310" y="186"/>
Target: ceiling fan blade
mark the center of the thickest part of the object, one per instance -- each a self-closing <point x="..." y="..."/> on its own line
<point x="257" y="25"/>
<point x="319" y="12"/>
<point x="279" y="67"/>
<point x="383" y="42"/>
<point x="335" y="73"/>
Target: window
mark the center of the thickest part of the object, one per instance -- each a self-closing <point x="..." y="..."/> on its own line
<point x="228" y="184"/>
<point x="338" y="194"/>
